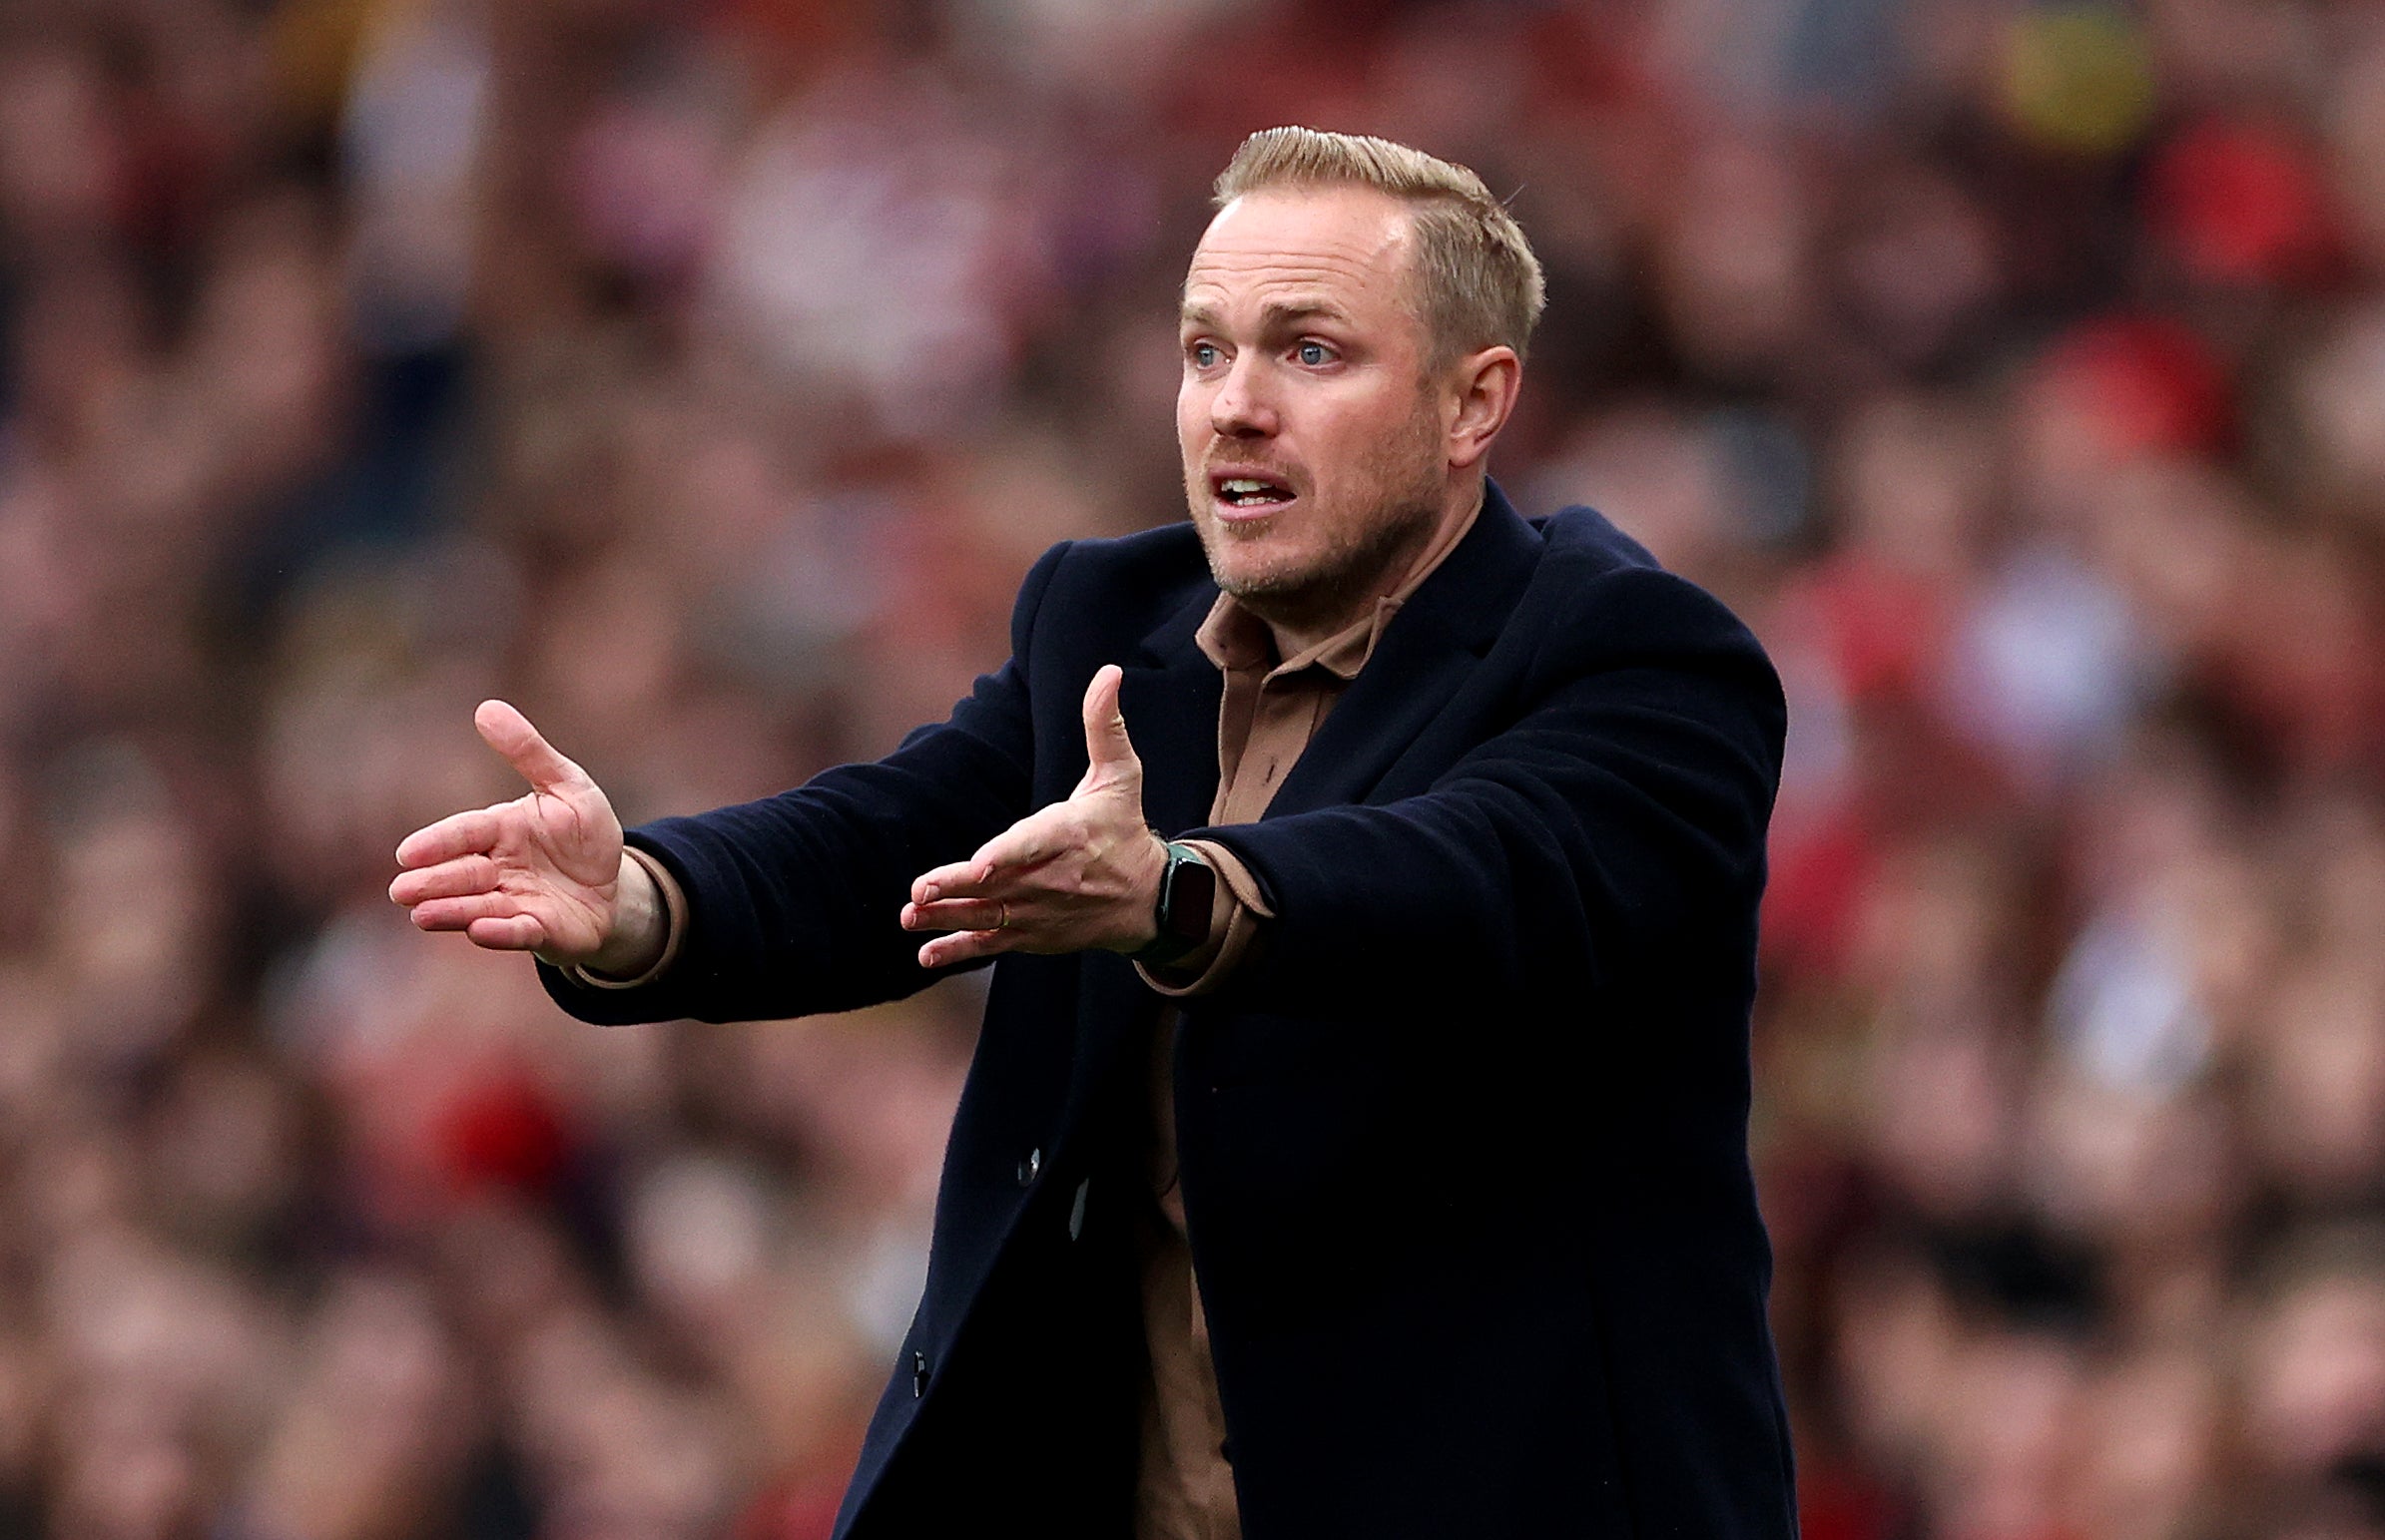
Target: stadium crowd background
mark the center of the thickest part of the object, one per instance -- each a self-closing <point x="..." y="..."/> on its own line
<point x="703" y="377"/>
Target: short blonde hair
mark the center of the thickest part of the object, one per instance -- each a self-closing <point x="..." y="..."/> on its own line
<point x="1477" y="283"/>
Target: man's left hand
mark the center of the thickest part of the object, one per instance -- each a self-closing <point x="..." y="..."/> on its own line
<point x="1077" y="875"/>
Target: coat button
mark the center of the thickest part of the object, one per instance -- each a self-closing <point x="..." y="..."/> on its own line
<point x="918" y="1375"/>
<point x="1028" y="1167"/>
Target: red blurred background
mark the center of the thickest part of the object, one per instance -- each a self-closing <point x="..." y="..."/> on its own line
<point x="703" y="378"/>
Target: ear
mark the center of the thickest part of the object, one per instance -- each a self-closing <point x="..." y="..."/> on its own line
<point x="1482" y="390"/>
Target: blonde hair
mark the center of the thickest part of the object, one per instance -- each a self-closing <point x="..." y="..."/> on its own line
<point x="1478" y="284"/>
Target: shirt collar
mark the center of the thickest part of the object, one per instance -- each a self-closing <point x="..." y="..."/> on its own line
<point x="1235" y="640"/>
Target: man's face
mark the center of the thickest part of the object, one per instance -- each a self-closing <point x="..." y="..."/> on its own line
<point x="1314" y="450"/>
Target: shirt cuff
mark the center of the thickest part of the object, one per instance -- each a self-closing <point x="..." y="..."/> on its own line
<point x="1236" y="909"/>
<point x="674" y="930"/>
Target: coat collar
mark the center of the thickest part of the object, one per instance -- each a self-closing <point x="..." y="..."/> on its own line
<point x="1423" y="655"/>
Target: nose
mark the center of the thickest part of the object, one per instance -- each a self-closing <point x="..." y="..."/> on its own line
<point x="1241" y="409"/>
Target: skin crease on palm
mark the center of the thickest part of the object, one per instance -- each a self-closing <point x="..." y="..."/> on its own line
<point x="1324" y="449"/>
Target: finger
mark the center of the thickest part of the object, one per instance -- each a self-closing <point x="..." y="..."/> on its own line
<point x="456" y="913"/>
<point x="994" y="865"/>
<point x="510" y="733"/>
<point x="508" y="933"/>
<point x="461" y="834"/>
<point x="1020" y="849"/>
<point x="1106" y="744"/>
<point x="962" y="915"/>
<point x="448" y="879"/>
<point x="966" y="946"/>
<point x="962" y="880"/>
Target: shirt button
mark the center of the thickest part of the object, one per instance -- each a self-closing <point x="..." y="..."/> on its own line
<point x="918" y="1375"/>
<point x="1028" y="1167"/>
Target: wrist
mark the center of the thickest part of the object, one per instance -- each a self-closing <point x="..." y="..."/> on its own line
<point x="640" y="929"/>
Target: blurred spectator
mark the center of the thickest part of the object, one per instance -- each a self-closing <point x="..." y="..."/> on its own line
<point x="704" y="377"/>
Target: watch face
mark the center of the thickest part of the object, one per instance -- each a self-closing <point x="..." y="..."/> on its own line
<point x="1192" y="890"/>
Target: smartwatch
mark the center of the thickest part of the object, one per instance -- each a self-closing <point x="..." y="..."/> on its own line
<point x="1187" y="892"/>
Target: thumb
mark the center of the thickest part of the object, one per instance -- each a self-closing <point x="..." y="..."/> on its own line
<point x="510" y="733"/>
<point x="1107" y="747"/>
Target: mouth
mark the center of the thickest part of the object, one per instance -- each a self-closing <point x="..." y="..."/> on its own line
<point x="1248" y="493"/>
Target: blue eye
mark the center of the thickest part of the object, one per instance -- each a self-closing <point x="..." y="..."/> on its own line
<point x="1203" y="354"/>
<point x="1314" y="353"/>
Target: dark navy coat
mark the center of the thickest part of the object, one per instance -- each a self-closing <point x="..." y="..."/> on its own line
<point x="1464" y="1147"/>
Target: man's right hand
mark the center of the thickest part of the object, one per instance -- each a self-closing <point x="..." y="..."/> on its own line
<point x="543" y="874"/>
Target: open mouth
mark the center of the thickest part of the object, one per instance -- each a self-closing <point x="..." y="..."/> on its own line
<point x="1249" y="492"/>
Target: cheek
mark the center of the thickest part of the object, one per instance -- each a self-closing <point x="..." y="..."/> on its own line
<point x="1392" y="434"/>
<point x="1192" y="414"/>
<point x="1345" y="444"/>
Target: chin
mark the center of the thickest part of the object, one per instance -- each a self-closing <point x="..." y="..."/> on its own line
<point x="1252" y="574"/>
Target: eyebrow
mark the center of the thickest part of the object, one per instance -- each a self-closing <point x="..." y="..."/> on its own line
<point x="1275" y="318"/>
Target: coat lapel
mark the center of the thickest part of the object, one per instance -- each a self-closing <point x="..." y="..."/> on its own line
<point x="1423" y="656"/>
<point x="1170" y="697"/>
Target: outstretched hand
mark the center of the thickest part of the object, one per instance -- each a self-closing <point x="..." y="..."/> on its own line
<point x="543" y="874"/>
<point x="1078" y="875"/>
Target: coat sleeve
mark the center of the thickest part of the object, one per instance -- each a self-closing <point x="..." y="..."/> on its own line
<point x="794" y="901"/>
<point x="1615" y="811"/>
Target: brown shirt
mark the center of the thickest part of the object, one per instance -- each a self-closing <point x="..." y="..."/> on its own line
<point x="1270" y="712"/>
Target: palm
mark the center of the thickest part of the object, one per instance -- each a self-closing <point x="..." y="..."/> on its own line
<point x="558" y="855"/>
<point x="539" y="874"/>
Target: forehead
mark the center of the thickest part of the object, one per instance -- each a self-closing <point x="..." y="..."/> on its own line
<point x="1346" y="245"/>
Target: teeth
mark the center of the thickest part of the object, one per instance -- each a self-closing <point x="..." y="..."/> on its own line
<point x="1245" y="490"/>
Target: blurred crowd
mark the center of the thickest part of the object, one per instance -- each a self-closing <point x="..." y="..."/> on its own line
<point x="702" y="377"/>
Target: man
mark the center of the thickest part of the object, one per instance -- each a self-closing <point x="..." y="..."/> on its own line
<point x="1356" y="1143"/>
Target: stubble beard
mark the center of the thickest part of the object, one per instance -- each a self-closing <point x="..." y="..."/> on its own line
<point x="1366" y="557"/>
